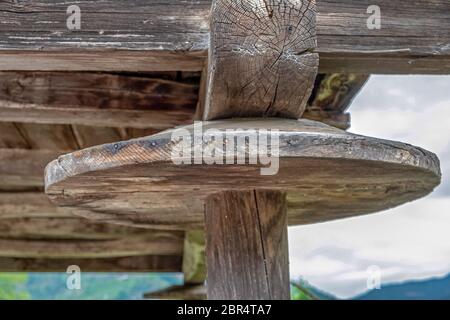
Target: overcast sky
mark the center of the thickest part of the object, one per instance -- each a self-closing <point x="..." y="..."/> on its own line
<point x="408" y="242"/>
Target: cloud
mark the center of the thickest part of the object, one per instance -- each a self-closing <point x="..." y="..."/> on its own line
<point x="408" y="242"/>
<point x="412" y="109"/>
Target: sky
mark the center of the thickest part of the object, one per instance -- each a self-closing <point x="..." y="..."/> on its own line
<point x="408" y="242"/>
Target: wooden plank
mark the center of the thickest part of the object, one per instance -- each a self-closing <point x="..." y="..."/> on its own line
<point x="48" y="136"/>
<point x="88" y="136"/>
<point x="332" y="94"/>
<point x="147" y="263"/>
<point x="22" y="168"/>
<point x="183" y="292"/>
<point x="29" y="205"/>
<point x="60" y="114"/>
<point x="174" y="35"/>
<point x="63" y="228"/>
<point x="97" y="99"/>
<point x="10" y="137"/>
<point x="99" y="90"/>
<point x="332" y="118"/>
<point x="35" y="235"/>
<point x="246" y="245"/>
<point x="157" y="243"/>
<point x="260" y="59"/>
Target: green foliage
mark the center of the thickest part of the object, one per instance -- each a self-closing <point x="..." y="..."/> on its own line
<point x="99" y="286"/>
<point x="300" y="293"/>
<point x="12" y="286"/>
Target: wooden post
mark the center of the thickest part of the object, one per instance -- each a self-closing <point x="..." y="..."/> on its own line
<point x="261" y="58"/>
<point x="247" y="246"/>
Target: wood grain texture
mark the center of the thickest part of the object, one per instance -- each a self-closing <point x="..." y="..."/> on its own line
<point x="48" y="137"/>
<point x="149" y="263"/>
<point x="142" y="101"/>
<point x="10" y="137"/>
<point x="35" y="235"/>
<point x="183" y="292"/>
<point x="326" y="172"/>
<point x="246" y="246"/>
<point x="24" y="168"/>
<point x="88" y="136"/>
<point x="153" y="244"/>
<point x="29" y="205"/>
<point x="172" y="35"/>
<point x="136" y="104"/>
<point x="336" y="119"/>
<point x="260" y="58"/>
<point x="66" y="228"/>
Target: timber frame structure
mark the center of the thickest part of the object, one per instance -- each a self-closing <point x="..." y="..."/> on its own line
<point x="132" y="71"/>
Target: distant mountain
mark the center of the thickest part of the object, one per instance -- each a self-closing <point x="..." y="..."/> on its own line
<point x="310" y="291"/>
<point x="432" y="289"/>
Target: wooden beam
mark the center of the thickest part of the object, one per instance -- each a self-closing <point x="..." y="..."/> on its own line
<point x="15" y="205"/>
<point x="96" y="99"/>
<point x="65" y="228"/>
<point x="332" y="94"/>
<point x="183" y="292"/>
<point x="35" y="235"/>
<point x="23" y="168"/>
<point x="332" y="118"/>
<point x="140" y="35"/>
<point x="247" y="246"/>
<point x="48" y="137"/>
<point x="260" y="61"/>
<point x="155" y="243"/>
<point x="148" y="263"/>
<point x="10" y="136"/>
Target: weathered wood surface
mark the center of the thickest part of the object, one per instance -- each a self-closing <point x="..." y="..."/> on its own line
<point x="63" y="228"/>
<point x="118" y="101"/>
<point x="48" y="137"/>
<point x="148" y="263"/>
<point x="155" y="243"/>
<point x="183" y="292"/>
<point x="35" y="235"/>
<point x="261" y="61"/>
<point x="29" y="205"/>
<point x="174" y="35"/>
<point x="247" y="245"/>
<point x="97" y="99"/>
<point x="88" y="136"/>
<point x="31" y="215"/>
<point x="336" y="119"/>
<point x="23" y="168"/>
<point x="10" y="136"/>
<point x="327" y="173"/>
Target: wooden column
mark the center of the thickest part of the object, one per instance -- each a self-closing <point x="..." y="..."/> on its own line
<point x="247" y="246"/>
<point x="261" y="58"/>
